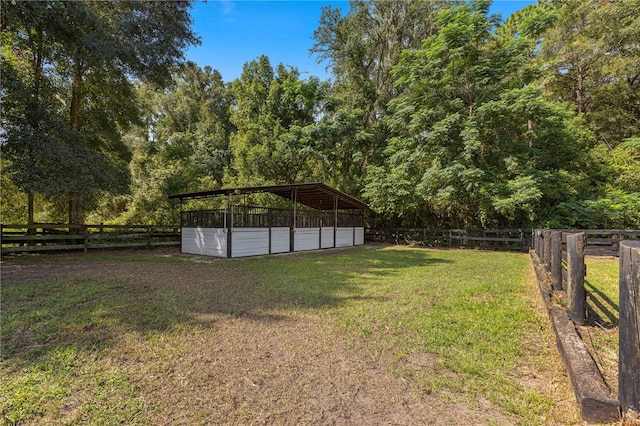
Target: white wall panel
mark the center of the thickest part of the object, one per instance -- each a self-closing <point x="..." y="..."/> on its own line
<point x="327" y="237"/>
<point x="306" y="239"/>
<point x="204" y="241"/>
<point x="359" y="240"/>
<point x="280" y="240"/>
<point x="344" y="237"/>
<point x="249" y="242"/>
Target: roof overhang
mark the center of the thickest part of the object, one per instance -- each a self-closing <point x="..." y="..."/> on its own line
<point x="315" y="195"/>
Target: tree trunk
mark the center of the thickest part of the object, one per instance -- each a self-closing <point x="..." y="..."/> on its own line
<point x="30" y="221"/>
<point x="30" y="198"/>
<point x="76" y="212"/>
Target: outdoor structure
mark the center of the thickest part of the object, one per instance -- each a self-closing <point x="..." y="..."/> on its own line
<point x="316" y="216"/>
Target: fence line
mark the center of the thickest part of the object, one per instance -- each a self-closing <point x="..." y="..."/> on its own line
<point x="53" y="237"/>
<point x="549" y="244"/>
<point x="494" y="239"/>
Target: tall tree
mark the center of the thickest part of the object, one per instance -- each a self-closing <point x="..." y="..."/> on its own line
<point x="592" y="56"/>
<point x="361" y="48"/>
<point x="93" y="49"/>
<point x="275" y="114"/>
<point x="476" y="143"/>
<point x="183" y="144"/>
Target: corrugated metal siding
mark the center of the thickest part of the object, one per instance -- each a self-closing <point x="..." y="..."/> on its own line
<point x="344" y="237"/>
<point x="327" y="237"/>
<point x="306" y="239"/>
<point x="280" y="240"/>
<point x="359" y="240"/>
<point x="204" y="241"/>
<point x="249" y="242"/>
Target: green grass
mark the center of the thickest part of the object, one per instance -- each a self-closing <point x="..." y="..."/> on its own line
<point x="471" y="310"/>
<point x="602" y="285"/>
<point x="603" y="295"/>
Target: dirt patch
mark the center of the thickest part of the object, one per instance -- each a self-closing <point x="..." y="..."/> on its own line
<point x="232" y="360"/>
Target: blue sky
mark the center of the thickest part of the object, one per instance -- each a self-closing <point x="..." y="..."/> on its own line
<point x="236" y="32"/>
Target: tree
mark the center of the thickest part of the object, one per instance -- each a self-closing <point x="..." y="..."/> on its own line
<point x="86" y="53"/>
<point x="476" y="143"/>
<point x="362" y="47"/>
<point x="275" y="114"/>
<point x="183" y="144"/>
<point x="592" y="56"/>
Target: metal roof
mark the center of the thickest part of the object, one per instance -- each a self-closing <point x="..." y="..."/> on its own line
<point x="316" y="195"/>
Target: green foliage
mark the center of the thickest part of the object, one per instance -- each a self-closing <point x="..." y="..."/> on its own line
<point x="476" y="142"/>
<point x="182" y="146"/>
<point x="362" y="47"/>
<point x="66" y="78"/>
<point x="275" y="114"/>
<point x="591" y="56"/>
<point x="438" y="114"/>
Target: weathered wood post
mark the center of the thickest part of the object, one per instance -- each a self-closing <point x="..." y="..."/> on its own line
<point x="149" y="232"/>
<point x="556" y="260"/>
<point x="576" y="295"/>
<point x="629" y="328"/>
<point x="85" y="234"/>
<point x="539" y="245"/>
<point x="546" y="235"/>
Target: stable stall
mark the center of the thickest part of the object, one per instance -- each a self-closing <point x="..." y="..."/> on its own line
<point x="315" y="216"/>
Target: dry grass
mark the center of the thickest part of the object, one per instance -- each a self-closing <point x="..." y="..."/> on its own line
<point x="371" y="335"/>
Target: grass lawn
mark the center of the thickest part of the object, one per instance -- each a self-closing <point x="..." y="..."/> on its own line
<point x="374" y="334"/>
<point x="601" y="335"/>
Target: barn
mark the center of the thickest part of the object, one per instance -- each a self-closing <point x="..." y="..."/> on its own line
<point x="307" y="216"/>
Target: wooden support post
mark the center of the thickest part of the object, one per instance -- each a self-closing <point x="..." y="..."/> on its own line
<point x="85" y="232"/>
<point x="269" y="226"/>
<point x="292" y="226"/>
<point x="629" y="329"/>
<point x="576" y="295"/>
<point x="229" y="222"/>
<point x="537" y="243"/>
<point x="335" y="220"/>
<point x="546" y="235"/>
<point x="556" y="260"/>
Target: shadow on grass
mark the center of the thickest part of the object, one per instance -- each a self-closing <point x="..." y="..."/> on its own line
<point x="605" y="305"/>
<point x="92" y="304"/>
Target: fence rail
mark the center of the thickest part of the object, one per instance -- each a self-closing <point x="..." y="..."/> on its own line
<point x="260" y="217"/>
<point x="53" y="237"/>
<point x="562" y="253"/>
<point x="492" y="239"/>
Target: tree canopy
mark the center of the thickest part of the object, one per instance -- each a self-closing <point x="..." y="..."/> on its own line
<point x="437" y="113"/>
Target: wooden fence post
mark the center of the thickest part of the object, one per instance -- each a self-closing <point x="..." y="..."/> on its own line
<point x="85" y="236"/>
<point x="629" y="328"/>
<point x="546" y="235"/>
<point x="576" y="295"/>
<point x="556" y="260"/>
<point x="539" y="245"/>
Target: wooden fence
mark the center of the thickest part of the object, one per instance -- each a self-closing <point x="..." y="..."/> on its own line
<point x="562" y="253"/>
<point x="490" y="239"/>
<point x="53" y="237"/>
<point x="629" y="327"/>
